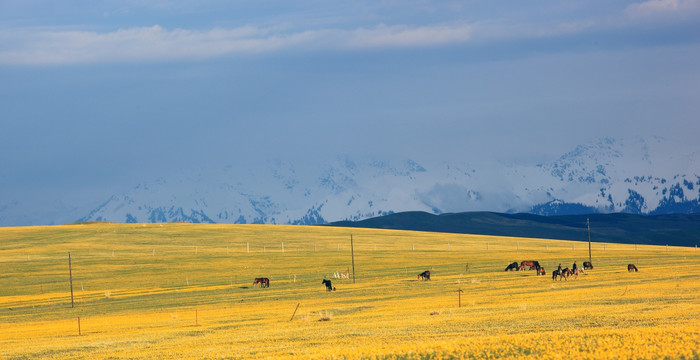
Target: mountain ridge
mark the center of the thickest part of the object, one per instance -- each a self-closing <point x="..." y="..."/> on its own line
<point x="670" y="229"/>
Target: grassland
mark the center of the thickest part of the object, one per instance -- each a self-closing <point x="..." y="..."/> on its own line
<point x="185" y="291"/>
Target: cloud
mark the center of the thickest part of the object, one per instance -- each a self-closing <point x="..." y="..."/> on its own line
<point x="405" y="36"/>
<point x="56" y="47"/>
<point x="663" y="8"/>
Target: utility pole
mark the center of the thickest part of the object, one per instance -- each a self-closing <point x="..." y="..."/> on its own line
<point x="352" y="252"/>
<point x="588" y="225"/>
<point x="70" y="274"/>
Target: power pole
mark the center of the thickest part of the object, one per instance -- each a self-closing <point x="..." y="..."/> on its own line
<point x="70" y="274"/>
<point x="352" y="252"/>
<point x="588" y="225"/>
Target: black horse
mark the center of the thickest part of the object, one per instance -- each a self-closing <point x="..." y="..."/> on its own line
<point x="587" y="265"/>
<point x="329" y="287"/>
<point x="425" y="275"/>
<point x="631" y="267"/>
<point x="513" y="266"/>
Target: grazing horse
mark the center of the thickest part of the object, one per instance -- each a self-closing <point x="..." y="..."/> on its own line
<point x="329" y="287"/>
<point x="541" y="271"/>
<point x="631" y="267"/>
<point x="263" y="282"/>
<point x="513" y="266"/>
<point x="587" y="265"/>
<point x="534" y="265"/>
<point x="425" y="275"/>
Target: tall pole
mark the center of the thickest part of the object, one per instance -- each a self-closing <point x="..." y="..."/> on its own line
<point x="588" y="225"/>
<point x="70" y="273"/>
<point x="352" y="252"/>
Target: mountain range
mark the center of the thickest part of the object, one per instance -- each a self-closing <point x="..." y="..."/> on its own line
<point x="648" y="176"/>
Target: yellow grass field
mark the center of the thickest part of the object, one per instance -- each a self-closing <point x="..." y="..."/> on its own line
<point x="185" y="291"/>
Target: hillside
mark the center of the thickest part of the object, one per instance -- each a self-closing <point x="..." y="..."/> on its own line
<point x="675" y="229"/>
<point x="185" y="291"/>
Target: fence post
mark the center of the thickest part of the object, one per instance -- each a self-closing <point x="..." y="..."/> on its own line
<point x="70" y="274"/>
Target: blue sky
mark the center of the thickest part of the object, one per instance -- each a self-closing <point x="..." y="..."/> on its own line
<point x="96" y="96"/>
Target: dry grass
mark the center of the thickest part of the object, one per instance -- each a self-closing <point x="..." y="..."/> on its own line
<point x="185" y="291"/>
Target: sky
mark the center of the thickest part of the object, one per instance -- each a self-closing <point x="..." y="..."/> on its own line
<point x="96" y="96"/>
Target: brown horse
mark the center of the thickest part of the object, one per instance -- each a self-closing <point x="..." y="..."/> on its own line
<point x="534" y="265"/>
<point x="587" y="265"/>
<point x="541" y="271"/>
<point x="425" y="275"/>
<point x="631" y="267"/>
<point x="565" y="273"/>
<point x="263" y="282"/>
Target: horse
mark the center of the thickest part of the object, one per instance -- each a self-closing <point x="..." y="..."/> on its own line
<point x="631" y="267"/>
<point x="425" y="275"/>
<point x="541" y="271"/>
<point x="587" y="265"/>
<point x="329" y="287"/>
<point x="263" y="282"/>
<point x="534" y="265"/>
<point x="565" y="273"/>
<point x="513" y="266"/>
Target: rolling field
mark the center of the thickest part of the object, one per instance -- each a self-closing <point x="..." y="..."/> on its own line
<point x="154" y="291"/>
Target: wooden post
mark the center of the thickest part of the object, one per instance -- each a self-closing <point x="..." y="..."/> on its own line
<point x="459" y="296"/>
<point x="352" y="252"/>
<point x="247" y="247"/>
<point x="70" y="274"/>
<point x="588" y="225"/>
<point x="79" y="333"/>
<point x="282" y="246"/>
<point x="295" y="311"/>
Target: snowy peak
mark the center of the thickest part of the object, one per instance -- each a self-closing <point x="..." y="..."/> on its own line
<point x="636" y="175"/>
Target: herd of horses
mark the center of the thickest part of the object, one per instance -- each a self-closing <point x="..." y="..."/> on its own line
<point x="556" y="274"/>
<point x="514" y="266"/>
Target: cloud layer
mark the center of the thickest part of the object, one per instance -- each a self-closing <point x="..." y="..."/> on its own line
<point x="155" y="43"/>
<point x="65" y="45"/>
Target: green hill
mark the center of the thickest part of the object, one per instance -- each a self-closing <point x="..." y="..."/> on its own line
<point x="675" y="229"/>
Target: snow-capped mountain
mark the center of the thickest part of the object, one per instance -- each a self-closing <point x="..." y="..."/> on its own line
<point x="639" y="175"/>
<point x="609" y="175"/>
